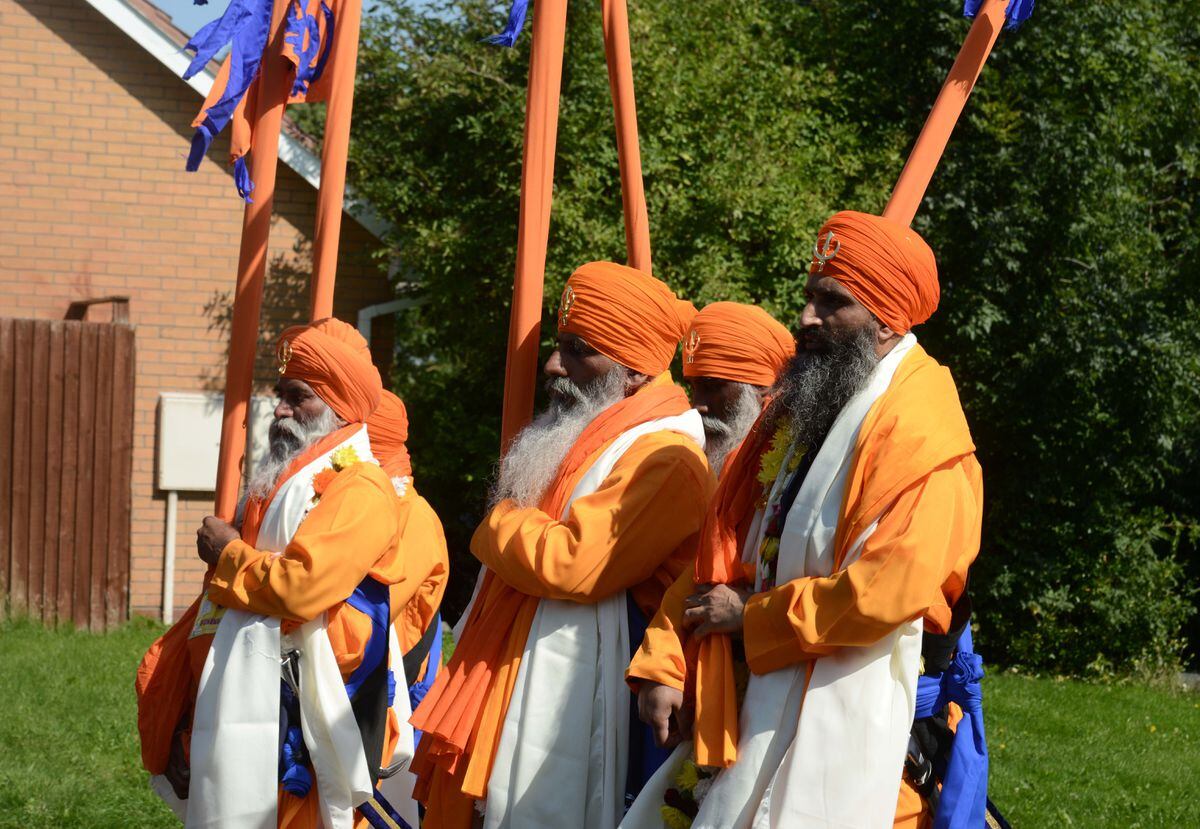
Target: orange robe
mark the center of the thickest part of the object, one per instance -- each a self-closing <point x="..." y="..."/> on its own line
<point x="635" y="532"/>
<point x="352" y="532"/>
<point x="913" y="565"/>
<point x="415" y="601"/>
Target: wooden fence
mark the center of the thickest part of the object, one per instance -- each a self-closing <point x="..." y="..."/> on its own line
<point x="66" y="451"/>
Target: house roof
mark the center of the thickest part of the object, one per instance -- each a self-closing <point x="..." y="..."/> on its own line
<point x="151" y="28"/>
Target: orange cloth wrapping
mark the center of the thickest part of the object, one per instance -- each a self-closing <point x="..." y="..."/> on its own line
<point x="626" y="315"/>
<point x="914" y="465"/>
<point x="388" y="428"/>
<point x="574" y="559"/>
<point x="334" y="359"/>
<point x="886" y="266"/>
<point x="742" y="343"/>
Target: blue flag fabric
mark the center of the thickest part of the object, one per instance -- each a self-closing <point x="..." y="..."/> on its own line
<point x="1018" y="11"/>
<point x="516" y="22"/>
<point x="963" y="800"/>
<point x="245" y="24"/>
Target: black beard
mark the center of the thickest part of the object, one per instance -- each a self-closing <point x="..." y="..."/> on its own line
<point x="817" y="385"/>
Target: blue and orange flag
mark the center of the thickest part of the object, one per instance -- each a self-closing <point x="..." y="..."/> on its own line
<point x="310" y="45"/>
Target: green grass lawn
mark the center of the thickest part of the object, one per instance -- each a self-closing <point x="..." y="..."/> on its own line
<point x="1064" y="753"/>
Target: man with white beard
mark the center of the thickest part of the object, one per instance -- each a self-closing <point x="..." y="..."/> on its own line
<point x="840" y="533"/>
<point x="594" y="514"/>
<point x="732" y="355"/>
<point x="294" y="621"/>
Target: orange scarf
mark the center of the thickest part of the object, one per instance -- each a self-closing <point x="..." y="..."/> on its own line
<point x="916" y="426"/>
<point x="464" y="711"/>
<point x="719" y="561"/>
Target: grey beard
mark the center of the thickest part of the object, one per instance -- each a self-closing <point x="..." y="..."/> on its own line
<point x="288" y="438"/>
<point x="816" y="386"/>
<point x="722" y="435"/>
<point x="532" y="460"/>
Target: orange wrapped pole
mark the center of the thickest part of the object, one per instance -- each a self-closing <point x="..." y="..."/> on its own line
<point x="615" y="22"/>
<point x="252" y="265"/>
<point x="533" y="231"/>
<point x="931" y="143"/>
<point x="334" y="152"/>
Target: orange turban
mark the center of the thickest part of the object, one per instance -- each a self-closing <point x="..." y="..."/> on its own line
<point x="886" y="266"/>
<point x="626" y="315"/>
<point x="335" y="360"/>
<point x="743" y="343"/>
<point x="388" y="429"/>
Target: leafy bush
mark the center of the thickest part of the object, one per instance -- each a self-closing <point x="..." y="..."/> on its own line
<point x="1064" y="217"/>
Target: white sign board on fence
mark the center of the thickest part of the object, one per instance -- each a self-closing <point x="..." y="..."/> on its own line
<point x="189" y="437"/>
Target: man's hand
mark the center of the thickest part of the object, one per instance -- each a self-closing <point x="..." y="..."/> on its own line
<point x="212" y="537"/>
<point x="715" y="609"/>
<point x="661" y="708"/>
<point x="177" y="772"/>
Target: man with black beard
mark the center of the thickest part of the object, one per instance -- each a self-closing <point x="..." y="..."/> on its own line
<point x="840" y="533"/>
<point x="593" y="515"/>
<point x="732" y="356"/>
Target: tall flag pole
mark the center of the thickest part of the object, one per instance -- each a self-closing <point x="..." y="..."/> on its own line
<point x="280" y="52"/>
<point x="533" y="229"/>
<point x="334" y="151"/>
<point x="990" y="16"/>
<point x="537" y="181"/>
<point x="615" y="22"/>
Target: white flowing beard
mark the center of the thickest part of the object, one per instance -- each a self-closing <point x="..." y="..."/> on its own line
<point x="289" y="437"/>
<point x="530" y="464"/>
<point x="721" y="435"/>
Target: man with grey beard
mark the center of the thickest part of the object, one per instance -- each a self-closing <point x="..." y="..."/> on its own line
<point x="593" y="514"/>
<point x="837" y="543"/>
<point x="732" y="356"/>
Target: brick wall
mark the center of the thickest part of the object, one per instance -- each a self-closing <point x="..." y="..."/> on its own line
<point x="94" y="201"/>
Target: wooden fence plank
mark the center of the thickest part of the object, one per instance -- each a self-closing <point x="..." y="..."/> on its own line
<point x="39" y="361"/>
<point x="85" y="431"/>
<point x="18" y="589"/>
<point x="116" y="602"/>
<point x="52" y="613"/>
<point x="102" y="473"/>
<point x="69" y="486"/>
<point x="6" y="454"/>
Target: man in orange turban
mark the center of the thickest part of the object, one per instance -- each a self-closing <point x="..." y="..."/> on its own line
<point x="426" y="559"/>
<point x="594" y="513"/>
<point x="732" y="354"/>
<point x="840" y="533"/>
<point x="305" y="577"/>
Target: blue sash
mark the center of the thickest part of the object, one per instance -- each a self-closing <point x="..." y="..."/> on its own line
<point x="418" y="690"/>
<point x="963" y="800"/>
<point x="373" y="600"/>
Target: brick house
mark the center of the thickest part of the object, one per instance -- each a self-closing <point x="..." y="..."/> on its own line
<point x="93" y="137"/>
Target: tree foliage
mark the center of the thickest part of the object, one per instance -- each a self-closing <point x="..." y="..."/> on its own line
<point x="1064" y="217"/>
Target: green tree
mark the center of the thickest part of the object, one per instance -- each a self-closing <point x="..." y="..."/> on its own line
<point x="1064" y="217"/>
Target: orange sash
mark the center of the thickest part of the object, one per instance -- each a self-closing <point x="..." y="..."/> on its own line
<point x="463" y="713"/>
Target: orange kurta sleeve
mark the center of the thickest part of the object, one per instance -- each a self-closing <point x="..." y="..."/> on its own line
<point x="661" y="658"/>
<point x="913" y="564"/>
<point x="353" y="530"/>
<point x="617" y="537"/>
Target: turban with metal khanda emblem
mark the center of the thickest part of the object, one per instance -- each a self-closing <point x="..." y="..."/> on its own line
<point x="885" y="265"/>
<point x="334" y="359"/>
<point x="626" y="315"/>
<point x="742" y="343"/>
